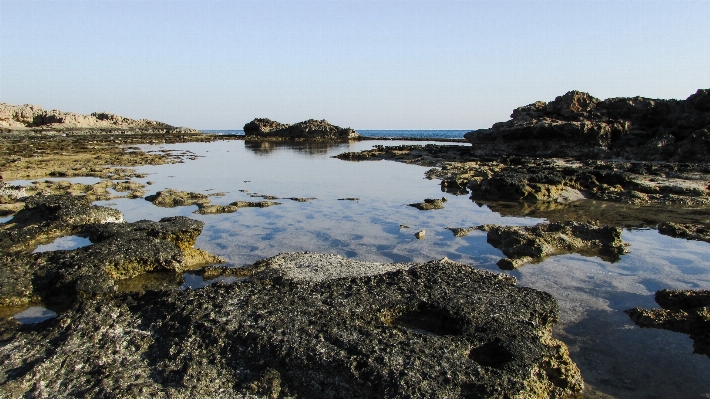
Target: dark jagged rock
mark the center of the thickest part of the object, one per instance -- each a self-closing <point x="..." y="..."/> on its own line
<point x="687" y="231"/>
<point x="47" y="217"/>
<point x="118" y="251"/>
<point x="581" y="126"/>
<point x="311" y="129"/>
<point x="524" y="244"/>
<point x="429" y="204"/>
<point x="438" y="329"/>
<point x="683" y="311"/>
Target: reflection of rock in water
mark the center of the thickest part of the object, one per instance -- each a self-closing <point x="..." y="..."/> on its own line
<point x="683" y="311"/>
<point x="305" y="147"/>
<point x="608" y="213"/>
<point x="439" y="329"/>
<point x="534" y="243"/>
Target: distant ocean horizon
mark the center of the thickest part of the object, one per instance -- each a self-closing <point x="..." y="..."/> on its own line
<point x="422" y="133"/>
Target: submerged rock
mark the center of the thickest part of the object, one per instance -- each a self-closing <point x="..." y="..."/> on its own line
<point x="579" y="125"/>
<point x="525" y="244"/>
<point x="439" y="329"/>
<point x="311" y="129"/>
<point x="683" y="311"/>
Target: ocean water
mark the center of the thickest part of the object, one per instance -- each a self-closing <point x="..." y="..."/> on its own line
<point x="616" y="357"/>
<point x="417" y="134"/>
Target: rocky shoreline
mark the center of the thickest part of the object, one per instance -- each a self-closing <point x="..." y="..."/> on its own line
<point x="319" y="325"/>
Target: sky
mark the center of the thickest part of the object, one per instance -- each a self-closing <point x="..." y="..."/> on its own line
<point x="363" y="64"/>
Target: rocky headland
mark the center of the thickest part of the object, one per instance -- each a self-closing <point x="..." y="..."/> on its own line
<point x="29" y="117"/>
<point x="312" y="129"/>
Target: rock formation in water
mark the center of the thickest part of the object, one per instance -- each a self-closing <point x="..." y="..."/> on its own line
<point x="307" y="130"/>
<point x="439" y="329"/>
<point x="579" y="125"/>
<point x="683" y="311"/>
<point x="525" y="244"/>
<point x="33" y="117"/>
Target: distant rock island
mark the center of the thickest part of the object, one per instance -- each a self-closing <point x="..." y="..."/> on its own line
<point x="579" y="125"/>
<point x="33" y="117"/>
<point x="311" y="129"/>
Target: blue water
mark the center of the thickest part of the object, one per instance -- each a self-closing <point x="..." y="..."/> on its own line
<point x="429" y="134"/>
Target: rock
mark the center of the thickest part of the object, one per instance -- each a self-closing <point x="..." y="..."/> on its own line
<point x="581" y="126"/>
<point x="420" y="234"/>
<point x="254" y="204"/>
<point x="683" y="311"/>
<point x="47" y="217"/>
<point x="307" y="130"/>
<point x="215" y="209"/>
<point x="524" y="244"/>
<point x="119" y="251"/>
<point x="301" y="199"/>
<point x="687" y="231"/>
<point x="171" y="198"/>
<point x="429" y="204"/>
<point x="438" y="329"/>
<point x="23" y="117"/>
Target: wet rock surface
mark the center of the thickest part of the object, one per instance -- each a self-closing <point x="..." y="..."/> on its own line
<point x="438" y="329"/>
<point x="429" y="204"/>
<point x="525" y="244"/>
<point x="118" y="251"/>
<point x="171" y="198"/>
<point x="581" y="126"/>
<point x="683" y="311"/>
<point x="687" y="231"/>
<point x="311" y="129"/>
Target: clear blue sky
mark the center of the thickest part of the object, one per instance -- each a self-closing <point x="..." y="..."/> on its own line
<point x="364" y="64"/>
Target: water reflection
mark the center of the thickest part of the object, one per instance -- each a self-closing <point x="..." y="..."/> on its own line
<point x="266" y="147"/>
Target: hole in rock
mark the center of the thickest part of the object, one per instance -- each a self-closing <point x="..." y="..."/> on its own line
<point x="64" y="243"/>
<point x="493" y="354"/>
<point x="428" y="319"/>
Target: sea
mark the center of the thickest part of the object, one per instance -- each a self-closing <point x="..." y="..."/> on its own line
<point x="409" y="134"/>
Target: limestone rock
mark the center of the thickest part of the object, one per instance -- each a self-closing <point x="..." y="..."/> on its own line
<point x="525" y="244"/>
<point x="579" y="125"/>
<point x="439" y="329"/>
<point x="19" y="117"/>
<point x="683" y="311"/>
<point x="311" y="129"/>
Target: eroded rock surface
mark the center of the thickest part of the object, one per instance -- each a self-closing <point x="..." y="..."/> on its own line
<point x="438" y="329"/>
<point x="311" y="129"/>
<point x="171" y="198"/>
<point x="683" y="311"/>
<point x="18" y="117"/>
<point x="581" y="126"/>
<point x="687" y="231"/>
<point x="118" y="251"/>
<point x="429" y="204"/>
<point x="525" y="244"/>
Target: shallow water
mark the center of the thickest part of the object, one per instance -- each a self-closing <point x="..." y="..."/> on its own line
<point x="616" y="357"/>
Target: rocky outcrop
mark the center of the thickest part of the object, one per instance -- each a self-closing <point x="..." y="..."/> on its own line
<point x="205" y="209"/>
<point x="438" y="329"/>
<point x="429" y="204"/>
<point x="19" y="117"/>
<point x="683" y="311"/>
<point x="581" y="126"/>
<point x="688" y="231"/>
<point x="172" y="198"/>
<point x="118" y="251"/>
<point x="311" y="129"/>
<point x="47" y="217"/>
<point x="525" y="244"/>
